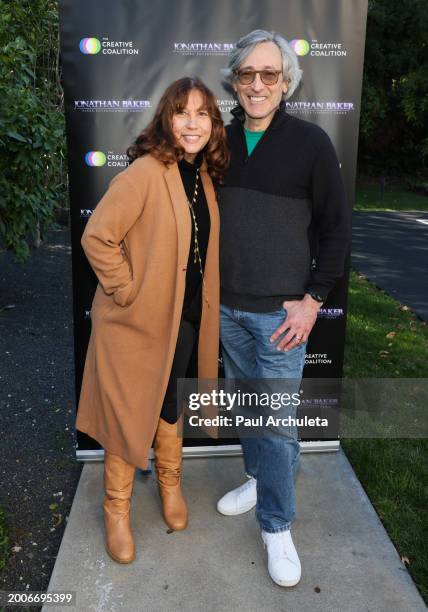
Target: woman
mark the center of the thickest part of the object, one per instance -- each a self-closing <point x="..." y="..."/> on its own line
<point x="153" y="244"/>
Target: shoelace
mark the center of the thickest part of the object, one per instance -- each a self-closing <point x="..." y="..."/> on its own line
<point x="277" y="548"/>
<point x="246" y="486"/>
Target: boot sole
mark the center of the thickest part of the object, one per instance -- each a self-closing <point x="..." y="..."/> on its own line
<point x="181" y="528"/>
<point x="176" y="528"/>
<point x="122" y="561"/>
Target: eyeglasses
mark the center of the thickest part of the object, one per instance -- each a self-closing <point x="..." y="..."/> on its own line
<point x="268" y="77"/>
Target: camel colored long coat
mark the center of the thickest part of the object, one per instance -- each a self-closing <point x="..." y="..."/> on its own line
<point x="137" y="242"/>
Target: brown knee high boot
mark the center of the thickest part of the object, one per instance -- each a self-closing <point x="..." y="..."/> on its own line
<point x="168" y="448"/>
<point x="118" y="481"/>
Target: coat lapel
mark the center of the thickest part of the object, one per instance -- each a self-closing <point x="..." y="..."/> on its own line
<point x="181" y="213"/>
<point x="211" y="198"/>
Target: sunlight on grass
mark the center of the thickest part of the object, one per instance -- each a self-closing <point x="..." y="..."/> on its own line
<point x="393" y="472"/>
<point x="392" y="198"/>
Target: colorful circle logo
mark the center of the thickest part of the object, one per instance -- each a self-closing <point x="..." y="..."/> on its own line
<point x="300" y="46"/>
<point x="90" y="46"/>
<point x="95" y="158"/>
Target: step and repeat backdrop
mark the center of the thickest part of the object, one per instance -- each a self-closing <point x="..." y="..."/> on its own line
<point x="117" y="58"/>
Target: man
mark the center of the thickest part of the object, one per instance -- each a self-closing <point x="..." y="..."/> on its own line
<point x="285" y="231"/>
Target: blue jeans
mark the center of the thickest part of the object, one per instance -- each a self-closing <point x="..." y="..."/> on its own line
<point x="273" y="460"/>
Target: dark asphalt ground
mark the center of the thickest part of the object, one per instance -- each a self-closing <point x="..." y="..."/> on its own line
<point x="38" y="471"/>
<point x="391" y="250"/>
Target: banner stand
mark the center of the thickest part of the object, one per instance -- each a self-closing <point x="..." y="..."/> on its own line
<point x="225" y="450"/>
<point x="117" y="59"/>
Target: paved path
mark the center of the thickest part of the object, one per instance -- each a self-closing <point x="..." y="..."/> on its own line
<point x="218" y="563"/>
<point x="391" y="249"/>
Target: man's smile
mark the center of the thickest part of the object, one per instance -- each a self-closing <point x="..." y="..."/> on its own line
<point x="257" y="99"/>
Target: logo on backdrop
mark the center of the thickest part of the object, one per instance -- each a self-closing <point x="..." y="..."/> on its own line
<point x="115" y="106"/>
<point x="319" y="401"/>
<point x="300" y="46"/>
<point x="315" y="48"/>
<point x="314" y="107"/>
<point x="92" y="46"/>
<point x="225" y="106"/>
<point x="330" y="313"/>
<point x="317" y="359"/>
<point x="111" y="159"/>
<point x="203" y="48"/>
<point x="95" y="158"/>
<point x="85" y="213"/>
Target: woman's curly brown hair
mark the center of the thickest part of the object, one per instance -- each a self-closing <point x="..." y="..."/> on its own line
<point x="158" y="139"/>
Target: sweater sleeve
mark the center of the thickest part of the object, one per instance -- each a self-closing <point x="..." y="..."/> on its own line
<point x="331" y="220"/>
<point x="103" y="237"/>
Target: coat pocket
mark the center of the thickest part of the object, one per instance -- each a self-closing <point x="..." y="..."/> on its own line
<point x="125" y="295"/>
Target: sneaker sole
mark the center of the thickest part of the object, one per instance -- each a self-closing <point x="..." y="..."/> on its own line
<point x="236" y="512"/>
<point x="285" y="583"/>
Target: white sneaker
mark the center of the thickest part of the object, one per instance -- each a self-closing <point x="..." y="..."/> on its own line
<point x="283" y="561"/>
<point x="240" y="500"/>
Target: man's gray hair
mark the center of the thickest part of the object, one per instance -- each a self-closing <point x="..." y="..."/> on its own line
<point x="290" y="65"/>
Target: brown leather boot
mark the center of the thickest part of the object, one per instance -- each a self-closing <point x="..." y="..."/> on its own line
<point x="118" y="481"/>
<point x="168" y="447"/>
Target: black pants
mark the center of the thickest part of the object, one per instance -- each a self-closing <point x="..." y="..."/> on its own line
<point x="185" y="353"/>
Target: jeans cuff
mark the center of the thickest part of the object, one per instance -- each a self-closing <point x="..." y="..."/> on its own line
<point x="285" y="527"/>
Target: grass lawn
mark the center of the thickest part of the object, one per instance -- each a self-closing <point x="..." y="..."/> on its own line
<point x="395" y="197"/>
<point x="393" y="472"/>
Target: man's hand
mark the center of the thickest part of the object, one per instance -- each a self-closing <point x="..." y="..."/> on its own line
<point x="298" y="324"/>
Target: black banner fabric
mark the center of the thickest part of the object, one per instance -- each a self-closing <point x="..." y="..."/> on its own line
<point x="118" y="58"/>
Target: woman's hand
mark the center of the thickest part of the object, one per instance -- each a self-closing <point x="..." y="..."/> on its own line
<point x="103" y="238"/>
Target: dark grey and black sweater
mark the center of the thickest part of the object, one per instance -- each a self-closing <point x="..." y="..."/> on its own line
<point x="281" y="208"/>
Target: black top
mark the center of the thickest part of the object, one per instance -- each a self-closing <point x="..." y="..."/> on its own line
<point x="281" y="208"/>
<point x="193" y="274"/>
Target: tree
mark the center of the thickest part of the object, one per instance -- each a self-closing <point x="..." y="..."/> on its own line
<point x="32" y="140"/>
<point x="394" y="114"/>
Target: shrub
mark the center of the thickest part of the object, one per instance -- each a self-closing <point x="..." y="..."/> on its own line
<point x="32" y="140"/>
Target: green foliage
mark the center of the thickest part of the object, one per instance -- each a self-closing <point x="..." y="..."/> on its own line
<point x="394" y="112"/>
<point x="32" y="140"/>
